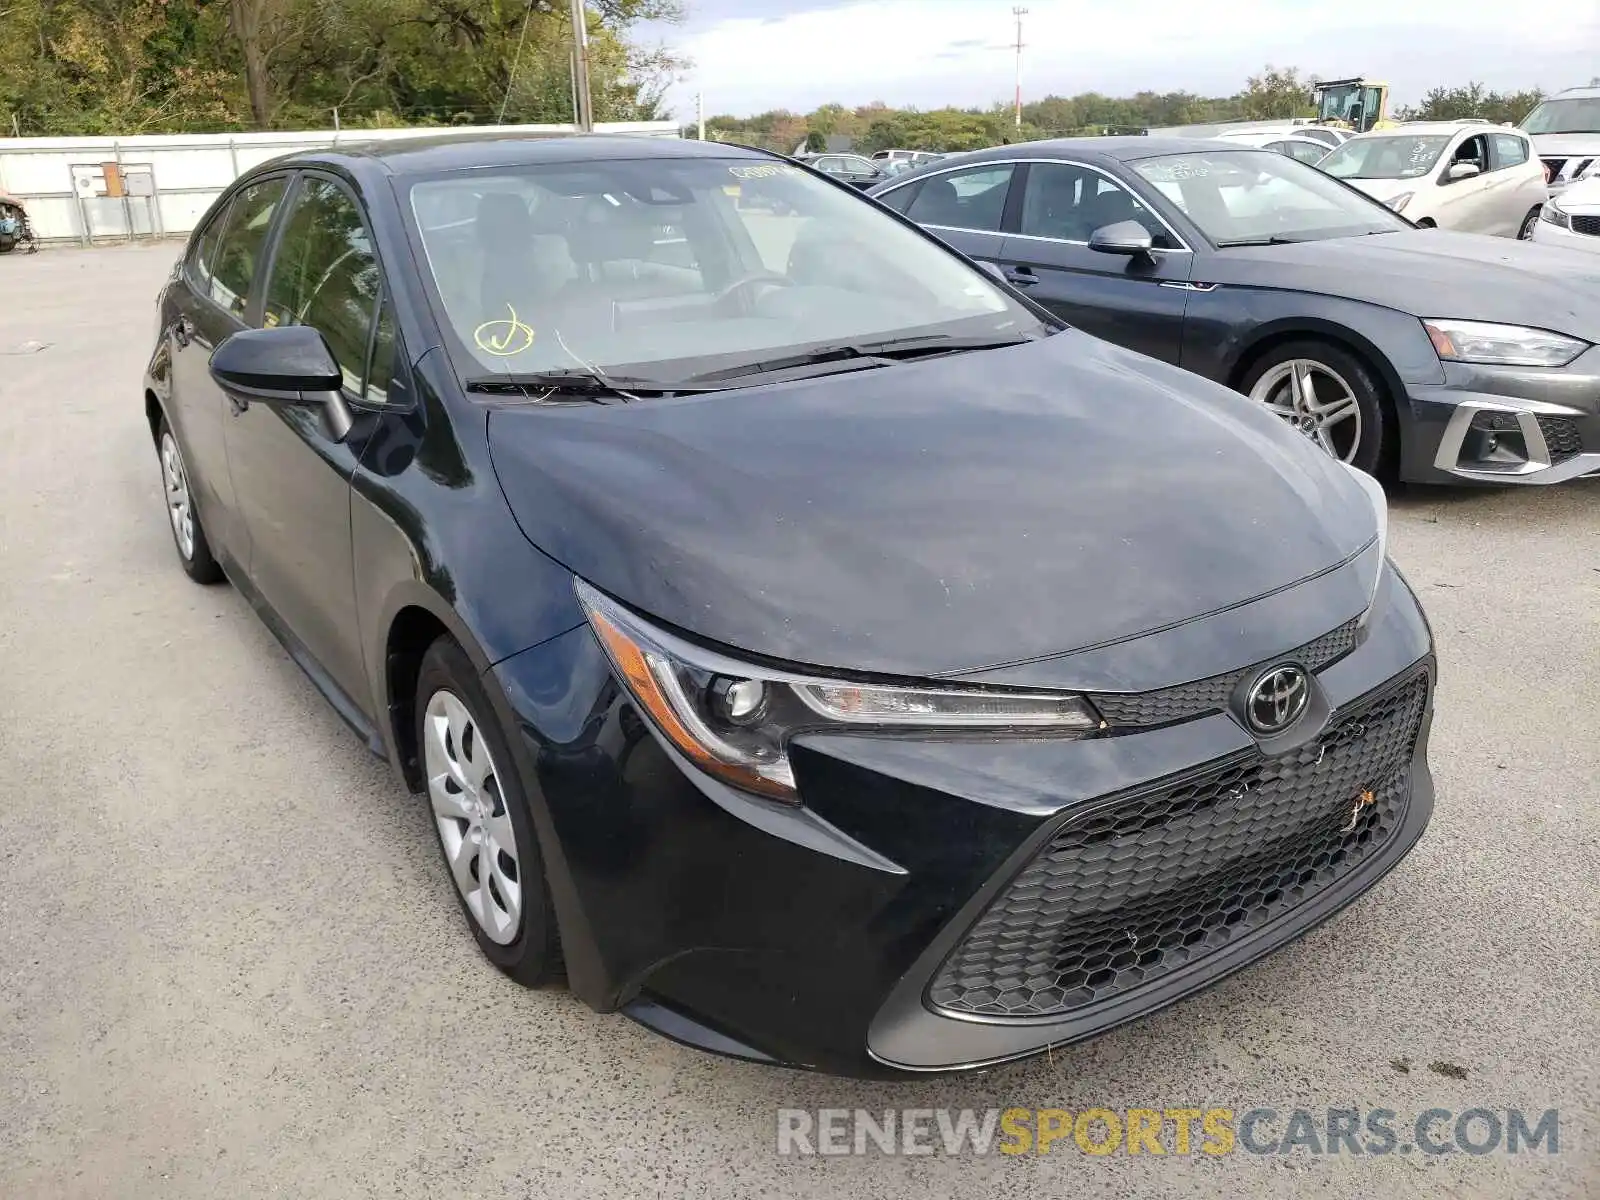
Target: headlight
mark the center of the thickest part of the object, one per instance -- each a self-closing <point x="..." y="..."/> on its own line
<point x="1380" y="515"/>
<point x="1554" y="215"/>
<point x="1398" y="203"/>
<point x="733" y="720"/>
<point x="1503" y="345"/>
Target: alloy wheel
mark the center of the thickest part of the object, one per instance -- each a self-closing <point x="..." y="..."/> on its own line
<point x="1316" y="400"/>
<point x="475" y="829"/>
<point x="1528" y="224"/>
<point x="180" y="508"/>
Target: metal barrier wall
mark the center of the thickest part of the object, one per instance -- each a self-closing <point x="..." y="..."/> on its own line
<point x="94" y="189"/>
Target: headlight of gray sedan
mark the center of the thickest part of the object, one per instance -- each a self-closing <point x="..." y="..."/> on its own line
<point x="733" y="719"/>
<point x="1501" y="345"/>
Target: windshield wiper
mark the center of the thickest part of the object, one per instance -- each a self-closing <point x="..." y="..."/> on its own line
<point x="857" y="355"/>
<point x="1276" y="239"/>
<point x="601" y="388"/>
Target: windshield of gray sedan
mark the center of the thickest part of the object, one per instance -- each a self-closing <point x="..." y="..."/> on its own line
<point x="665" y="268"/>
<point x="1257" y="197"/>
<point x="1385" y="157"/>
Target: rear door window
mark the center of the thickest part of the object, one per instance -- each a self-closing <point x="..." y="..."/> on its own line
<point x="236" y="261"/>
<point x="202" y="259"/>
<point x="971" y="199"/>
<point x="1509" y="150"/>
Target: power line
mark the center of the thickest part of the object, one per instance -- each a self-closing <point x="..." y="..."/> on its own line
<point x="517" y="58"/>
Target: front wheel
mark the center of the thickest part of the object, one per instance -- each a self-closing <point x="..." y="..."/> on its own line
<point x="188" y="535"/>
<point x="481" y="816"/>
<point x="1326" y="394"/>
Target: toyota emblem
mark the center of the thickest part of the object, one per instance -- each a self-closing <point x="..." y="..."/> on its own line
<point x="1276" y="700"/>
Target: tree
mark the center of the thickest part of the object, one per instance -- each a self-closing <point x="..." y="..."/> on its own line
<point x="1275" y="93"/>
<point x="816" y="141"/>
<point x="1473" y="100"/>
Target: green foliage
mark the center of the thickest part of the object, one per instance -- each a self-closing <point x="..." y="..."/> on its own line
<point x="1473" y="100"/>
<point x="144" y="66"/>
<point x="1275" y="93"/>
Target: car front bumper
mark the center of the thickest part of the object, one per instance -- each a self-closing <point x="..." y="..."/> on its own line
<point x="1500" y="425"/>
<point x="1547" y="233"/>
<point x="862" y="933"/>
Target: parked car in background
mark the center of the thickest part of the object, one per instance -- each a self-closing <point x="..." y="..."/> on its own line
<point x="1465" y="175"/>
<point x="1327" y="138"/>
<point x="1566" y="134"/>
<point x="1572" y="217"/>
<point x="915" y="158"/>
<point x="1302" y="149"/>
<point x="796" y="649"/>
<point x="1437" y="356"/>
<point x="14" y="228"/>
<point x="847" y="168"/>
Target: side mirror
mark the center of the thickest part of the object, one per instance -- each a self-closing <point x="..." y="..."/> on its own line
<point x="1125" y="237"/>
<point x="990" y="268"/>
<point x="290" y="364"/>
<point x="1462" y="170"/>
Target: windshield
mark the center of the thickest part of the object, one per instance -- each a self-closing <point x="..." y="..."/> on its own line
<point x="665" y="269"/>
<point x="1240" y="197"/>
<point x="1579" y="115"/>
<point x="1386" y="157"/>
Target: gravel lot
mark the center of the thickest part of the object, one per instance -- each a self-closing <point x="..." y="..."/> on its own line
<point x="230" y="963"/>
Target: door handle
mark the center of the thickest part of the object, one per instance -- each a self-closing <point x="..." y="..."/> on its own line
<point x="182" y="330"/>
<point x="1021" y="276"/>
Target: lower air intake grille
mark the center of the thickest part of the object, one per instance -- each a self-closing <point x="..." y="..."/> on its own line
<point x="1588" y="223"/>
<point x="1128" y="894"/>
<point x="1184" y="702"/>
<point x="1561" y="437"/>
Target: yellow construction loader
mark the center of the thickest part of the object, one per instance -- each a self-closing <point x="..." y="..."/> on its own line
<point x="1354" y="104"/>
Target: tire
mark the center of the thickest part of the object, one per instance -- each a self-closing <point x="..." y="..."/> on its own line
<point x="1365" y="444"/>
<point x="478" y="806"/>
<point x="183" y="517"/>
<point x="1529" y="223"/>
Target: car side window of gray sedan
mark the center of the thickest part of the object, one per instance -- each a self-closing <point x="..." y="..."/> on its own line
<point x="971" y="199"/>
<point x="1069" y="202"/>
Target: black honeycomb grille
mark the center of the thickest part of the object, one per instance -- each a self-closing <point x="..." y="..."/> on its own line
<point x="1587" y="223"/>
<point x="1184" y="702"/>
<point x="1133" y="892"/>
<point x="1561" y="437"/>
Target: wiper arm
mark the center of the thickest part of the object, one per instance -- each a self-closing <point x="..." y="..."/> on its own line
<point x="604" y="389"/>
<point x="863" y="354"/>
<point x="1276" y="239"/>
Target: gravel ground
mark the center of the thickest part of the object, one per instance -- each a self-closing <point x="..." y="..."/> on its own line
<point x="230" y="963"/>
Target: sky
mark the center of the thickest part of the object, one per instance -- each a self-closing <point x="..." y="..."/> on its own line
<point x="753" y="55"/>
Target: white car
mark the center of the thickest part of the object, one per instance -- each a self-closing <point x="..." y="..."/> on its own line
<point x="1572" y="218"/>
<point x="1464" y="175"/>
<point x="1302" y="149"/>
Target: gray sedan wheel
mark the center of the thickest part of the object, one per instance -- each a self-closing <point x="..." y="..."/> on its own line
<point x="1330" y="397"/>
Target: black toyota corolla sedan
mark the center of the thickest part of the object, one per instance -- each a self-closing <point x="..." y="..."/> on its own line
<point x="1434" y="356"/>
<point x="822" y="652"/>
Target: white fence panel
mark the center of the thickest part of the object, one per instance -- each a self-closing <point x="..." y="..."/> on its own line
<point x="171" y="179"/>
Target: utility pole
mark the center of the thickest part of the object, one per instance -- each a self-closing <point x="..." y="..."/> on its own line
<point x="580" y="42"/>
<point x="700" y="113"/>
<point x="1019" y="13"/>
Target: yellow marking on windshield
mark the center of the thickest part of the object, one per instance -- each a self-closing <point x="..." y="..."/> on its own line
<point x="504" y="338"/>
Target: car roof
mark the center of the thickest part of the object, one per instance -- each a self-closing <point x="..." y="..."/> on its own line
<point x="1118" y="149"/>
<point x="458" y="152"/>
<point x="1576" y="93"/>
<point x="1436" y="128"/>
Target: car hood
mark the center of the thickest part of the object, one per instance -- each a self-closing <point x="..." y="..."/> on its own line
<point x="1583" y="194"/>
<point x="1431" y="273"/>
<point x="936" y="517"/>
<point x="1566" y="145"/>
<point x="1386" y="189"/>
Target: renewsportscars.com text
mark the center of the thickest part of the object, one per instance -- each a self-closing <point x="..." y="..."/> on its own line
<point x="1177" y="1131"/>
